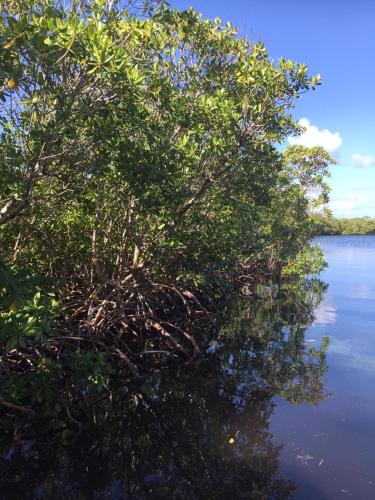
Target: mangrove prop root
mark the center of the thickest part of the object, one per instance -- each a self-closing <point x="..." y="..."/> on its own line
<point x="137" y="325"/>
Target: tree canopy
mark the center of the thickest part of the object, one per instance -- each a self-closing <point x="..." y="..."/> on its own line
<point x="326" y="223"/>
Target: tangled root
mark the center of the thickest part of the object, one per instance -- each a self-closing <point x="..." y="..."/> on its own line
<point x="135" y="319"/>
<point x="139" y="324"/>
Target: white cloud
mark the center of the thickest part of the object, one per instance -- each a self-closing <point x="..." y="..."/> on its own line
<point x="363" y="160"/>
<point x="325" y="312"/>
<point x="356" y="203"/>
<point x="313" y="136"/>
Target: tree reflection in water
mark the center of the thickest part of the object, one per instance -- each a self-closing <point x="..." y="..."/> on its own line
<point x="190" y="433"/>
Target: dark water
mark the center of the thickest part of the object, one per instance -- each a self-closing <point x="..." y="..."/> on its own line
<point x="281" y="406"/>
<point x="329" y="449"/>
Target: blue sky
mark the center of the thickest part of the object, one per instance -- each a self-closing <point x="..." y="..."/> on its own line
<point x="335" y="38"/>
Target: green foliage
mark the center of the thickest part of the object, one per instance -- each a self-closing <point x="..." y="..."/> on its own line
<point x="286" y="224"/>
<point x="309" y="261"/>
<point x="325" y="223"/>
<point x="154" y="132"/>
<point x="38" y="387"/>
<point x="27" y="309"/>
<point x="90" y="371"/>
<point x="52" y="384"/>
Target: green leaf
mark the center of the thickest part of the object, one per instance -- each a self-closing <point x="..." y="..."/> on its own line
<point x="11" y="344"/>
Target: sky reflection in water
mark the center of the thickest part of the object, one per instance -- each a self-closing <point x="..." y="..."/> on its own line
<point x="339" y="433"/>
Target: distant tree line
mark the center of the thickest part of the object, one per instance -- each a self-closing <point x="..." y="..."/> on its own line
<point x="326" y="223"/>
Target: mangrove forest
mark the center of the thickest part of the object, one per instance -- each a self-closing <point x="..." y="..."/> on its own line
<point x="147" y="189"/>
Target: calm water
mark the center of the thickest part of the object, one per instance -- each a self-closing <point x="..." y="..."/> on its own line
<point x="329" y="449"/>
<point x="281" y="406"/>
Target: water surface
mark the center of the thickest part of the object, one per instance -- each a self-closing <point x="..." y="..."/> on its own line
<point x="328" y="449"/>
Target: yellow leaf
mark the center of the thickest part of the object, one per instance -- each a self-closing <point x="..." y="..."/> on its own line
<point x="83" y="62"/>
<point x="10" y="44"/>
<point x="13" y="307"/>
<point x="11" y="84"/>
